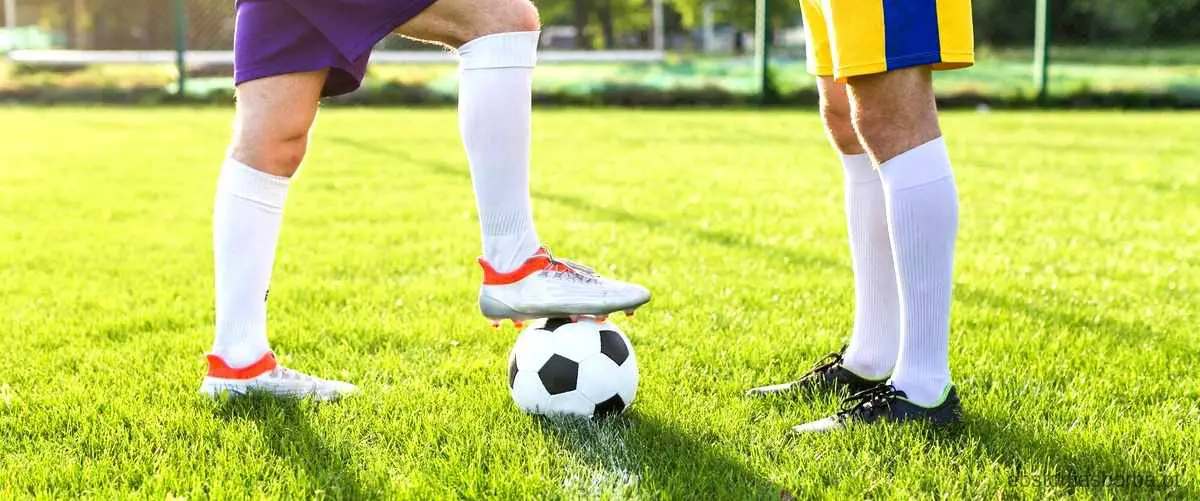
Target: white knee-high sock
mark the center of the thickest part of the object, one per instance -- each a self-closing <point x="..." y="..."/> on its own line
<point x="876" y="338"/>
<point x="922" y="203"/>
<point x="246" y="220"/>
<point x="494" y="113"/>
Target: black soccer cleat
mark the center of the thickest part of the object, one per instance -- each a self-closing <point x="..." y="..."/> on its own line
<point x="886" y="403"/>
<point x="827" y="375"/>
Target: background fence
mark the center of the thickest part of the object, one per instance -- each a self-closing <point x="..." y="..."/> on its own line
<point x="1149" y="47"/>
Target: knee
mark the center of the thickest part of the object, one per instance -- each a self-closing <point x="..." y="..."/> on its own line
<point x="502" y="16"/>
<point x="873" y="126"/>
<point x="887" y="132"/>
<point x="840" y="127"/>
<point x="522" y="16"/>
<point x="894" y="112"/>
<point x="277" y="152"/>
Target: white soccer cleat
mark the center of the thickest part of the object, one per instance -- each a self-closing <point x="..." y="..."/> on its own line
<point x="267" y="376"/>
<point x="547" y="287"/>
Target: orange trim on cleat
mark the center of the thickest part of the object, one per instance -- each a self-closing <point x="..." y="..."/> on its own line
<point x="539" y="261"/>
<point x="219" y="369"/>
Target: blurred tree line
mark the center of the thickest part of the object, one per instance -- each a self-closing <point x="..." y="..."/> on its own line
<point x="1010" y="22"/>
<point x="599" y="24"/>
<point x="1082" y="22"/>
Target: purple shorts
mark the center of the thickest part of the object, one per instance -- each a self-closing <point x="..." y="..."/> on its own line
<point x="277" y="37"/>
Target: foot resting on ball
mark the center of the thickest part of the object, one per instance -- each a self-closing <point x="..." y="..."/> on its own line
<point x="548" y="287"/>
<point x="267" y="376"/>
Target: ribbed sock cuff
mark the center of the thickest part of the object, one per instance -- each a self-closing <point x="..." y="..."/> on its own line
<point x="924" y="164"/>
<point x="243" y="181"/>
<point x="501" y="50"/>
<point x="240" y="343"/>
<point x="506" y="223"/>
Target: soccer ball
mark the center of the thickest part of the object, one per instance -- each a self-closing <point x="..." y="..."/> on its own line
<point x="585" y="368"/>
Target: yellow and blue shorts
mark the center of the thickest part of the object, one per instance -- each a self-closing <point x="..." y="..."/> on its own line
<point x="849" y="38"/>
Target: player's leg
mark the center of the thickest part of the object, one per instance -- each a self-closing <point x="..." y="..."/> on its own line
<point x="896" y="116"/>
<point x="867" y="360"/>
<point x="271" y="127"/>
<point x="497" y="42"/>
<point x="281" y="66"/>
<point x="896" y="119"/>
<point x="270" y="136"/>
<point x="272" y="121"/>
<point x="871" y="352"/>
<point x="886" y="52"/>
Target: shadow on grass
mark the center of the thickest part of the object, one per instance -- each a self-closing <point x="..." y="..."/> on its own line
<point x="1066" y="316"/>
<point x="397" y="155"/>
<point x="1051" y="313"/>
<point x="736" y="241"/>
<point x="285" y="426"/>
<point x="636" y="455"/>
<point x="721" y="238"/>
<point x="1047" y="464"/>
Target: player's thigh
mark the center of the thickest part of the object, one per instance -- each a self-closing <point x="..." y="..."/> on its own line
<point x="905" y="92"/>
<point x="273" y="118"/>
<point x="455" y="22"/>
<point x="895" y="111"/>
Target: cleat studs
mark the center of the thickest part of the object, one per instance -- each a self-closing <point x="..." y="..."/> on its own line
<point x="518" y="324"/>
<point x="495" y="324"/>
<point x="574" y="318"/>
<point x="629" y="313"/>
<point x="601" y="318"/>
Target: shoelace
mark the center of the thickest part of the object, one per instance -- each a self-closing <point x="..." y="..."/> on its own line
<point x="869" y="402"/>
<point x="825" y="364"/>
<point x="564" y="268"/>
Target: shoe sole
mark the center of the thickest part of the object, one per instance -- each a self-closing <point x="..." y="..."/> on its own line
<point x="496" y="310"/>
<point x="217" y="388"/>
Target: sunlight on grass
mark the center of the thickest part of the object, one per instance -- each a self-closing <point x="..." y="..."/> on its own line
<point x="1074" y="322"/>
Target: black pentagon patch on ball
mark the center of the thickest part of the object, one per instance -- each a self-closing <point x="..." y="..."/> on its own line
<point x="559" y="374"/>
<point x="612" y="346"/>
<point x="512" y="372"/>
<point x="610" y="407"/>
<point x="555" y="323"/>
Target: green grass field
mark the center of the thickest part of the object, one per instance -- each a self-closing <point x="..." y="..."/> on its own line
<point x="1075" y="320"/>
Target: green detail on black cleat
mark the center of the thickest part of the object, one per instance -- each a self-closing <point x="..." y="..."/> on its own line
<point x="886" y="403"/>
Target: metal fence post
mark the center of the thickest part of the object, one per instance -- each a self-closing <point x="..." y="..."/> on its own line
<point x="181" y="46"/>
<point x="660" y="28"/>
<point x="10" y="14"/>
<point x="762" y="52"/>
<point x="1041" y="55"/>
